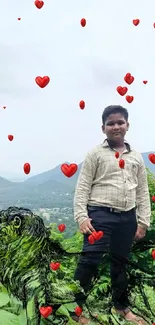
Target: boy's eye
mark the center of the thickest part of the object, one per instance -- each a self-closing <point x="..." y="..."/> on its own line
<point x="112" y="123"/>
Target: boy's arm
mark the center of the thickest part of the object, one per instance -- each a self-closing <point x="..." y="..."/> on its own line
<point x="83" y="188"/>
<point x="143" y="198"/>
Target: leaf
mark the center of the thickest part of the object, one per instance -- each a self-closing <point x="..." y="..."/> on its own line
<point x="8" y="318"/>
<point x="103" y="318"/>
<point x="71" y="322"/>
<point x="71" y="306"/>
<point x="22" y="317"/>
<point x="2" y="288"/>
<point x="62" y="311"/>
<point x="4" y="299"/>
<point x="31" y="312"/>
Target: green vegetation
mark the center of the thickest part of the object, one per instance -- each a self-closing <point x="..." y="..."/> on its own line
<point x="27" y="248"/>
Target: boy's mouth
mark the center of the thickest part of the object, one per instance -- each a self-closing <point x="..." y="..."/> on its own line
<point x="117" y="133"/>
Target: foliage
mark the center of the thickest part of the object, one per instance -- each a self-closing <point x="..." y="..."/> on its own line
<point x="27" y="248"/>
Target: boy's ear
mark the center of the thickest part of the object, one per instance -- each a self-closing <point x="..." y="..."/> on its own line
<point x="128" y="125"/>
<point x="103" y="128"/>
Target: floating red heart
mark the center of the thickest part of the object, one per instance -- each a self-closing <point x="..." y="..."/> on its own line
<point x="154" y="25"/>
<point x="39" y="4"/>
<point x="151" y="157"/>
<point x="121" y="163"/>
<point x="129" y="79"/>
<point x="82" y="104"/>
<point x="136" y="22"/>
<point x="96" y="235"/>
<point x="117" y="154"/>
<point x="91" y="239"/>
<point x="42" y="81"/>
<point x="54" y="266"/>
<point x="122" y="90"/>
<point x="19" y="18"/>
<point x="78" y="311"/>
<point x="4" y="107"/>
<point x="83" y="22"/>
<point x="46" y="311"/>
<point x="153" y="254"/>
<point x="69" y="170"/>
<point x="62" y="227"/>
<point x="27" y="168"/>
<point x="153" y="198"/>
<point x="129" y="99"/>
<point x="10" y="137"/>
<point x="145" y="82"/>
<point x="99" y="235"/>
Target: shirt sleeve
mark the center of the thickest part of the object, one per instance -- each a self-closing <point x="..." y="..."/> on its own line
<point x="143" y="198"/>
<point x="83" y="188"/>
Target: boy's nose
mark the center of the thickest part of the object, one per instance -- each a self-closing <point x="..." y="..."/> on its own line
<point x="116" y="127"/>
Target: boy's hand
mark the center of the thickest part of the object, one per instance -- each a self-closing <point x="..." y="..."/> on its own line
<point x="140" y="233"/>
<point x="86" y="227"/>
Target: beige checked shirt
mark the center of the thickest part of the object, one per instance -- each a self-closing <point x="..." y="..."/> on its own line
<point x="103" y="183"/>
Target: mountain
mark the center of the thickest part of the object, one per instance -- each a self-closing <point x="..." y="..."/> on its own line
<point x="54" y="174"/>
<point x="4" y="182"/>
<point x="49" y="189"/>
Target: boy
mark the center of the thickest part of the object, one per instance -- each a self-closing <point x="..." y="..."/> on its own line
<point x="108" y="198"/>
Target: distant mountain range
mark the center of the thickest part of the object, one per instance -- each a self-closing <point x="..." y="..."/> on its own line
<point x="49" y="189"/>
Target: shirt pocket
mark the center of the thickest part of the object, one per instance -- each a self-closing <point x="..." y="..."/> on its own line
<point x="132" y="172"/>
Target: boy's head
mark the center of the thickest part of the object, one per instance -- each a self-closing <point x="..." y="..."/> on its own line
<point x="115" y="123"/>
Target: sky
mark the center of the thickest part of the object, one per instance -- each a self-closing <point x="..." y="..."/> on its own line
<point x="86" y="64"/>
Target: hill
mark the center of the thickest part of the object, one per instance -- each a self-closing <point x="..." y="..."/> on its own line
<point x="49" y="189"/>
<point x="55" y="174"/>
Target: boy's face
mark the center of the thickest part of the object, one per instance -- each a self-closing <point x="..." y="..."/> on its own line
<point x="115" y="127"/>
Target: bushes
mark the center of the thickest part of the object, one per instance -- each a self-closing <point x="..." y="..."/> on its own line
<point x="26" y="249"/>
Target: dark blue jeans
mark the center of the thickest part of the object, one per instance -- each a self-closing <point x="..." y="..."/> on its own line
<point x="119" y="231"/>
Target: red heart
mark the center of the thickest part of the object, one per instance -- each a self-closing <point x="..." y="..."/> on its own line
<point x="42" y="82"/>
<point x="69" y="170"/>
<point x="95" y="235"/>
<point x="83" y="22"/>
<point x="154" y="25"/>
<point x="153" y="198"/>
<point x="151" y="157"/>
<point x="117" y="154"/>
<point x="136" y="22"/>
<point x="46" y="311"/>
<point x="62" y="227"/>
<point x="145" y="82"/>
<point x="78" y="311"/>
<point x="39" y="4"/>
<point x="122" y="90"/>
<point x="54" y="266"/>
<point x="91" y="239"/>
<point x="82" y="104"/>
<point x="153" y="254"/>
<point x="19" y="18"/>
<point x="100" y="235"/>
<point x="121" y="163"/>
<point x="128" y="78"/>
<point x="4" y="107"/>
<point x="129" y="99"/>
<point x="27" y="168"/>
<point x="10" y="137"/>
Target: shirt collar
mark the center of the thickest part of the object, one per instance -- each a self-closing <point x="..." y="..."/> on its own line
<point x="106" y="144"/>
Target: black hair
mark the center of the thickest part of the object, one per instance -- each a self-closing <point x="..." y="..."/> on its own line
<point x="114" y="109"/>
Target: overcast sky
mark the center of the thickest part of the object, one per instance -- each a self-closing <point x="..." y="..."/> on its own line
<point x="83" y="64"/>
